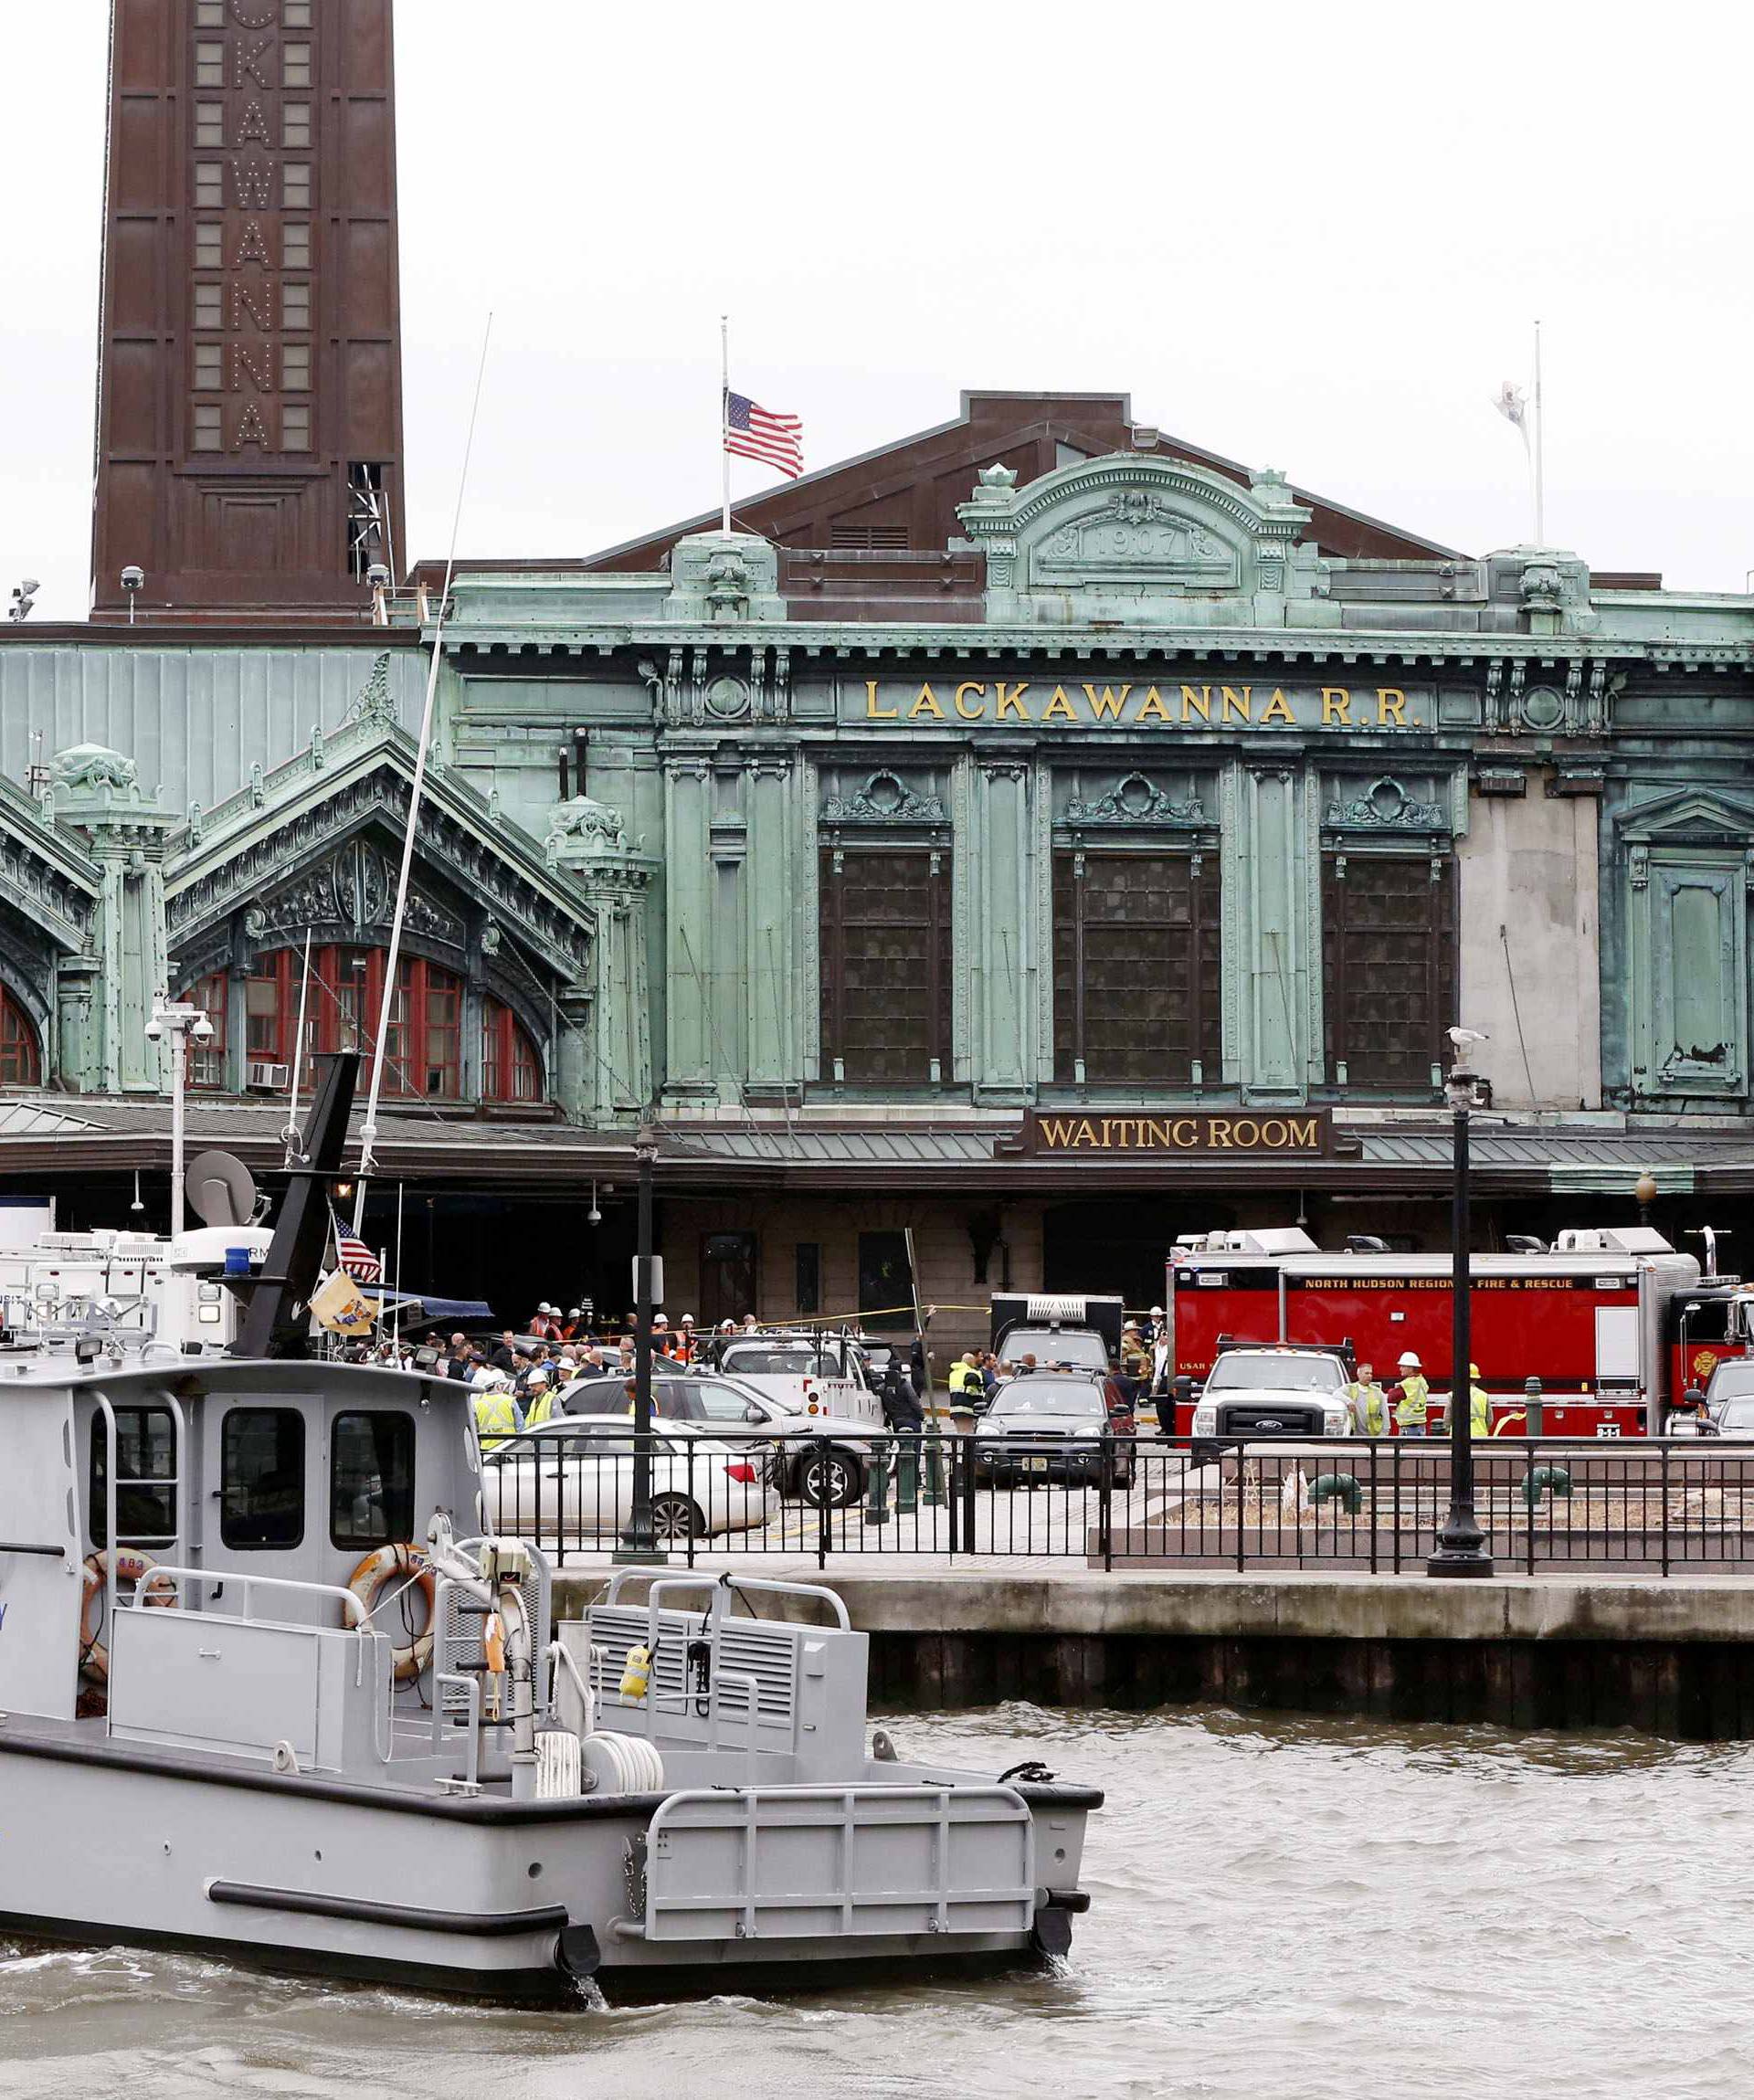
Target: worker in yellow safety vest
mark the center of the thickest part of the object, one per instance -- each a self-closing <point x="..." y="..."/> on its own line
<point x="496" y="1416"/>
<point x="541" y="1390"/>
<point x="1479" y="1406"/>
<point x="964" y="1376"/>
<point x="1415" y="1404"/>
<point x="1369" y="1402"/>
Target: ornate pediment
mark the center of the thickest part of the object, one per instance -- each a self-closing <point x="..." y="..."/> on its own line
<point x="352" y="896"/>
<point x="886" y="799"/>
<point x="1696" y="816"/>
<point x="1137" y="801"/>
<point x="1385" y="806"/>
<point x="1140" y="539"/>
<point x="43" y="875"/>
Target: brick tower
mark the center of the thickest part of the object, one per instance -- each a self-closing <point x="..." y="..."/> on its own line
<point x="250" y="390"/>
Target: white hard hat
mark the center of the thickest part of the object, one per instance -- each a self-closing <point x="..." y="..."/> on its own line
<point x="1157" y="1312"/>
<point x="687" y="1319"/>
<point x="1407" y="1360"/>
<point x="727" y="1326"/>
<point x="537" y="1377"/>
<point x="577" y="1313"/>
<point x="660" y="1320"/>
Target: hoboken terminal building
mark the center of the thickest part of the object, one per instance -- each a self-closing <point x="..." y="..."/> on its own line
<point x="1039" y="833"/>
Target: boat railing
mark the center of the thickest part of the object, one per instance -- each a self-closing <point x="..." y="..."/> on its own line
<point x="356" y="1615"/>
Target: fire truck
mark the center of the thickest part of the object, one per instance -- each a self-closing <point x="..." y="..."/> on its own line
<point x="1614" y="1323"/>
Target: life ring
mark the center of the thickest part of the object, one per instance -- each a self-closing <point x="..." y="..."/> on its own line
<point x="141" y="1569"/>
<point x="374" y="1574"/>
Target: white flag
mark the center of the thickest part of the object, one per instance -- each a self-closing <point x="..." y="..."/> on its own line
<point x="1512" y="404"/>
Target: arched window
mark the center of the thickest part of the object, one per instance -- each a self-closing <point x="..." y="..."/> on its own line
<point x="207" y="1061"/>
<point x="511" y="1070"/>
<point x="20" y="1061"/>
<point x="423" y="1052"/>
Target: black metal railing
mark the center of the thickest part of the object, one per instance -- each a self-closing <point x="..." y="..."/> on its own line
<point x="1370" y="1504"/>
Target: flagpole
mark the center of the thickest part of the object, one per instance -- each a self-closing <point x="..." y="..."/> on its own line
<point x="724" y="397"/>
<point x="1540" y="464"/>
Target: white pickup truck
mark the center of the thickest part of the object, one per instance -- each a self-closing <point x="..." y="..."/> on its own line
<point x="807" y="1374"/>
<point x="1256" y="1395"/>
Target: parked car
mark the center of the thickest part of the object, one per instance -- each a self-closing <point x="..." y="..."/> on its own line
<point x="1731" y="1379"/>
<point x="574" y="1476"/>
<point x="821" y="1458"/>
<point x="1051" y="1425"/>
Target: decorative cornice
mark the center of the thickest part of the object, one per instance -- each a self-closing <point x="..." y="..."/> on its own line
<point x="1134" y="800"/>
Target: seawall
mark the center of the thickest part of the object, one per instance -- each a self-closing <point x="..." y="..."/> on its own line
<point x="1672" y="1658"/>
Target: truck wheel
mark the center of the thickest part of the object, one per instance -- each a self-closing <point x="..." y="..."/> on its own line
<point x="828" y="1480"/>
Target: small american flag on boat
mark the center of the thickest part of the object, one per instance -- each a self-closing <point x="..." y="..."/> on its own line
<point x="357" y="1259"/>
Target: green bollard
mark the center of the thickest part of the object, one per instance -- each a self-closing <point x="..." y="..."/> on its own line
<point x="907" y="1476"/>
<point x="877" y="1498"/>
<point x="934" y="1496"/>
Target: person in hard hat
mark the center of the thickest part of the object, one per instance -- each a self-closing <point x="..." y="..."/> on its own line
<point x="540" y="1391"/>
<point x="496" y="1413"/>
<point x="1413" y="1395"/>
<point x="1369" y="1402"/>
<point x="1479" y="1405"/>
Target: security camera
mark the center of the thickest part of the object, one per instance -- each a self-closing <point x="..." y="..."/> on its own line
<point x="133" y="577"/>
<point x="154" y="1030"/>
<point x="202" y="1029"/>
<point x="378" y="577"/>
<point x="24" y="597"/>
<point x="592" y="1216"/>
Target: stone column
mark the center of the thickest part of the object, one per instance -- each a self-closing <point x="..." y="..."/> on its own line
<point x="98" y="792"/>
<point x="1271" y="932"/>
<point x="602" y="1058"/>
<point x="1002" y="957"/>
<point x="688" y="1065"/>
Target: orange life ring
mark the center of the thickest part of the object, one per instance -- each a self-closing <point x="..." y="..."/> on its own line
<point x="374" y="1574"/>
<point x="141" y="1569"/>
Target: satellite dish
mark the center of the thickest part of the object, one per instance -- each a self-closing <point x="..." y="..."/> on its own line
<point x="219" y="1189"/>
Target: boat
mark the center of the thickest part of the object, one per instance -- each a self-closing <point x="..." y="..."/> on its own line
<point x="269" y="1691"/>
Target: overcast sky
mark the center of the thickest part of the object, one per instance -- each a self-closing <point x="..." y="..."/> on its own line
<point x="1311" y="236"/>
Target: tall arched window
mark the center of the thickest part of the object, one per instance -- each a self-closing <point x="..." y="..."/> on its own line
<point x="20" y="1059"/>
<point x="423" y="1050"/>
<point x="511" y="1070"/>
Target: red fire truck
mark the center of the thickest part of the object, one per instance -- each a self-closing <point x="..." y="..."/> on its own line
<point x="1613" y="1321"/>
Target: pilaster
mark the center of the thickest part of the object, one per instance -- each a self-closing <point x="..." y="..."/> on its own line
<point x="1004" y="951"/>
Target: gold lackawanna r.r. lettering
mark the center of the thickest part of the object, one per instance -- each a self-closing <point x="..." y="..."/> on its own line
<point x="1133" y="703"/>
<point x="1303" y="1132"/>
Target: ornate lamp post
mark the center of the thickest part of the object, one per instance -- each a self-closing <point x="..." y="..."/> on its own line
<point x="637" y="1547"/>
<point x="1644" y="1189"/>
<point x="182" y="1023"/>
<point x="1461" y="1544"/>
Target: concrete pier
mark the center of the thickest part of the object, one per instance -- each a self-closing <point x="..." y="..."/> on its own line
<point x="1673" y="1658"/>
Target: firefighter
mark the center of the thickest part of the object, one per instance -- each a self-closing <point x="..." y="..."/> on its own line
<point x="496" y="1413"/>
<point x="1414" y="1400"/>
<point x="1370" y="1403"/>
<point x="1479" y="1405"/>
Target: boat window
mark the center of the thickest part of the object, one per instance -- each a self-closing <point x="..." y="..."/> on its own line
<point x="261" y="1479"/>
<point x="371" y="1479"/>
<point x="146" y="1452"/>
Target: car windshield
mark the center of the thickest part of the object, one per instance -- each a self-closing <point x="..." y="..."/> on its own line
<point x="1240" y="1372"/>
<point x="762" y="1359"/>
<point x="1047" y="1397"/>
<point x="1738" y="1415"/>
<point x="1088" y="1351"/>
<point x="1730" y="1381"/>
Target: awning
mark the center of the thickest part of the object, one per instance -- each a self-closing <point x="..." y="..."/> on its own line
<point x="415" y="1307"/>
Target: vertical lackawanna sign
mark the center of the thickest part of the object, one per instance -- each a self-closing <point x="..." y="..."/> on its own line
<point x="1304" y="1133"/>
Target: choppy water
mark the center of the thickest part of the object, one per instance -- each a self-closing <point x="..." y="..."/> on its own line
<point x="1318" y="1910"/>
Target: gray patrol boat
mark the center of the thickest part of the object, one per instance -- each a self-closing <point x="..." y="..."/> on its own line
<point x="242" y="1711"/>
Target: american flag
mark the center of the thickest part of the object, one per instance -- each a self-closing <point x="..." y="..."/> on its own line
<point x="757" y="433"/>
<point x="357" y="1259"/>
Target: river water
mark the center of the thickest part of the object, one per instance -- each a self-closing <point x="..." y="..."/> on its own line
<point x="1321" y="1910"/>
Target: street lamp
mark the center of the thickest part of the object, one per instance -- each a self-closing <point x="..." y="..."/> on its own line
<point x="1644" y="1190"/>
<point x="1461" y="1544"/>
<point x="183" y="1023"/>
<point x="638" y="1548"/>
